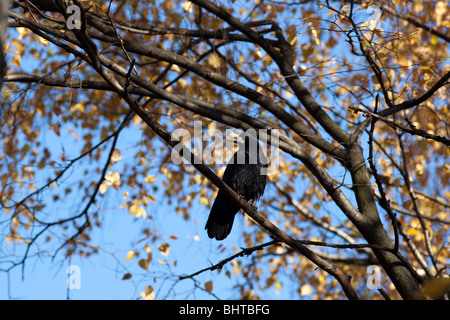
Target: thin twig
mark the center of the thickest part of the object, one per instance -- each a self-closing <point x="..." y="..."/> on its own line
<point x="243" y="252"/>
<point x="407" y="179"/>
<point x="411" y="130"/>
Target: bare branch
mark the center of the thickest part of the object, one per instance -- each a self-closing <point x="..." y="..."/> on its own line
<point x="243" y="252"/>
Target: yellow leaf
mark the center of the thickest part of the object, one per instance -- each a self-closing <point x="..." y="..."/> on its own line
<point x="103" y="188"/>
<point x="214" y="60"/>
<point x="7" y="93"/>
<point x="419" y="168"/>
<point x="43" y="41"/>
<point x="113" y="179"/>
<point x="292" y="40"/>
<point x="181" y="83"/>
<point x="204" y="200"/>
<point x="267" y="60"/>
<point x="20" y="47"/>
<point x="187" y="6"/>
<point x="316" y="37"/>
<point x="14" y="237"/>
<point x="164" y="248"/>
<point x="287" y="94"/>
<point x="259" y="53"/>
<point x="78" y="107"/>
<point x="22" y="32"/>
<point x="150" y="179"/>
<point x="116" y="156"/>
<point x="241" y="59"/>
<point x="137" y="120"/>
<point x="434" y="39"/>
<point x="436" y="288"/>
<point x="73" y="133"/>
<point x="306" y="289"/>
<point x="138" y="211"/>
<point x="130" y="255"/>
<point x="15" y="222"/>
<point x="209" y="286"/>
<point x="16" y="60"/>
<point x="148" y="294"/>
<point x="278" y="286"/>
<point x="175" y="68"/>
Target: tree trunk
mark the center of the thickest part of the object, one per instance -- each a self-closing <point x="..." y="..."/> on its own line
<point x="372" y="229"/>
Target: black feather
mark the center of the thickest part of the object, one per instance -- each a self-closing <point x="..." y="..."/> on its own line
<point x="244" y="174"/>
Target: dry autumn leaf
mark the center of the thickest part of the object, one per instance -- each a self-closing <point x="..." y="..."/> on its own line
<point x="130" y="255"/>
<point x="164" y="248"/>
<point x="148" y="294"/>
<point x="209" y="286"/>
<point x="144" y="264"/>
<point x="127" y="276"/>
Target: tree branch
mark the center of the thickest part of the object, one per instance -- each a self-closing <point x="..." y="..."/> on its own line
<point x="284" y="62"/>
<point x="411" y="130"/>
<point x="243" y="252"/>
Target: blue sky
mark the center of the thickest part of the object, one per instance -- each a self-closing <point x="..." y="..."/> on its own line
<point x="101" y="275"/>
<point x="45" y="276"/>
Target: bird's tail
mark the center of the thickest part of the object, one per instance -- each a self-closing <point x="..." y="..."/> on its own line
<point x="221" y="217"/>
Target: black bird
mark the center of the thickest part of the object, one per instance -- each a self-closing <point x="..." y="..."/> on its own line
<point x="244" y="174"/>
